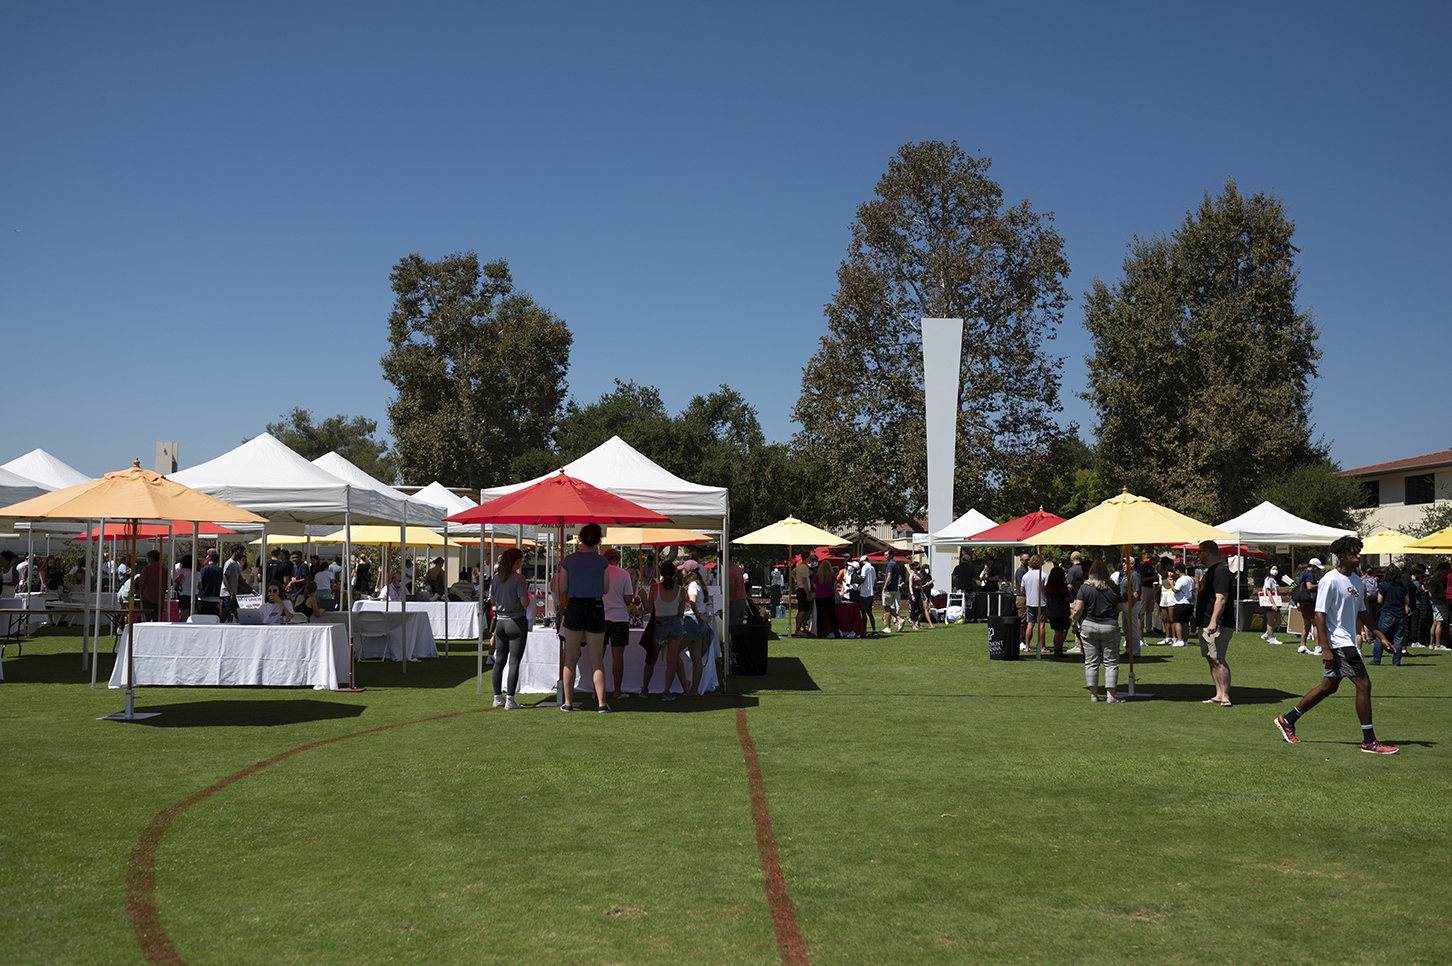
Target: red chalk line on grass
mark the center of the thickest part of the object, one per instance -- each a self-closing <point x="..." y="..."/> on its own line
<point x="157" y="947"/>
<point x="783" y="914"/>
<point x="141" y="906"/>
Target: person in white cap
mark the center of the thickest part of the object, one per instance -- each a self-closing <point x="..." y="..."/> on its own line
<point x="1304" y="597"/>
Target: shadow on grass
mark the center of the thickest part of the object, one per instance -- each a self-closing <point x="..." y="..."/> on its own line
<point x="433" y="672"/>
<point x="231" y="713"/>
<point x="782" y="674"/>
<point x="653" y="704"/>
<point x="62" y="668"/>
<point x="1199" y="692"/>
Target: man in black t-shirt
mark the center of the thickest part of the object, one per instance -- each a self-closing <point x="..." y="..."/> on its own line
<point x="1216" y="620"/>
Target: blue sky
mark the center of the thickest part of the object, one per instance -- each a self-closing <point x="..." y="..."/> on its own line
<point x="202" y="202"/>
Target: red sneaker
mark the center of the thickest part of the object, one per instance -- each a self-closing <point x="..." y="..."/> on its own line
<point x="1288" y="731"/>
<point x="1377" y="748"/>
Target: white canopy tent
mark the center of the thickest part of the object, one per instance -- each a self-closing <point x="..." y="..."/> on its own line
<point x="268" y="478"/>
<point x="617" y="467"/>
<point x="15" y="488"/>
<point x="1268" y="523"/>
<point x="957" y="533"/>
<point x="40" y="466"/>
<point x="421" y="512"/>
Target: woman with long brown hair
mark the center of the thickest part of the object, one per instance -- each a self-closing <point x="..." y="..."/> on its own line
<point x="511" y="597"/>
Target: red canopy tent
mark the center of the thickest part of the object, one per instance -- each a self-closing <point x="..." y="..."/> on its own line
<point x="1017" y="531"/>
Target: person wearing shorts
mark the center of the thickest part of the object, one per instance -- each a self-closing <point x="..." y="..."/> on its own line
<point x="1340" y="606"/>
<point x="1306" y="581"/>
<point x="1215" y="624"/>
<point x="618" y="611"/>
<point x="892" y="580"/>
<point x="666" y="602"/>
<point x="584" y="580"/>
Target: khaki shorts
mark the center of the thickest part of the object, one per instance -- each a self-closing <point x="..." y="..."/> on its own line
<point x="1022" y="604"/>
<point x="1214" y="645"/>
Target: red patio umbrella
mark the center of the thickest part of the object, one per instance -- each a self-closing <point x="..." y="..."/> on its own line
<point x="558" y="500"/>
<point x="150" y="531"/>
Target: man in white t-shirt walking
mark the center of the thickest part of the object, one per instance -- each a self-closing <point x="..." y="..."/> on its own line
<point x="1340" y="606"/>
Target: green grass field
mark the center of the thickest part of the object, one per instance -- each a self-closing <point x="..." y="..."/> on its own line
<point x="929" y="806"/>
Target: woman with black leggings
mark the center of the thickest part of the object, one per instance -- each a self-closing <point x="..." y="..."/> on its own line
<point x="510" y="594"/>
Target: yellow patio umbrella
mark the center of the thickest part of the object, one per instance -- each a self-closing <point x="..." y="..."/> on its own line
<point x="132" y="494"/>
<point x="1387" y="541"/>
<point x="1127" y="520"/>
<point x="790" y="533"/>
<point x="646" y="537"/>
<point x="380" y="536"/>
<point x="1439" y="542"/>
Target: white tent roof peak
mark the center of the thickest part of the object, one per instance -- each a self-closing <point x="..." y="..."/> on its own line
<point x="618" y="467"/>
<point x="430" y="514"/>
<point x="45" y="469"/>
<point x="15" y="488"/>
<point x="1268" y="523"/>
<point x="440" y="495"/>
<point x="969" y="524"/>
<point x="266" y="477"/>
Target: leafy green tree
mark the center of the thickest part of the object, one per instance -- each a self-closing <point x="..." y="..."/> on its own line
<point x="1058" y="479"/>
<point x="937" y="241"/>
<point x="478" y="366"/>
<point x="1202" y="365"/>
<point x="351" y="436"/>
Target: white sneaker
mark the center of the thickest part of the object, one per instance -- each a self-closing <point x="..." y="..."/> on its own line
<point x="1317" y="651"/>
<point x="510" y="704"/>
<point x="499" y="701"/>
<point x="1177" y="644"/>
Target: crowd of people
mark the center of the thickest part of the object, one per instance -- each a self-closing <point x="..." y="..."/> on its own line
<point x="598" y="602"/>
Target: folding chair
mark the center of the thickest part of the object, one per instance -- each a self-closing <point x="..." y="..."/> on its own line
<point x="370" y="627"/>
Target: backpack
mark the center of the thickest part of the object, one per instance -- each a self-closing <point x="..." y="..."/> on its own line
<point x="1301" y="594"/>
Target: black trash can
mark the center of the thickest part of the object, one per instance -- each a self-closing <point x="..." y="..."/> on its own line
<point x="748" y="648"/>
<point x="1003" y="635"/>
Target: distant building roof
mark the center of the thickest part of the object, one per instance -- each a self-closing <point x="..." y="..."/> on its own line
<point x="1426" y="462"/>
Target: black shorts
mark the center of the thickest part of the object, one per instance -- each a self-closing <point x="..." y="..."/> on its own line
<point x="585" y="614"/>
<point x="1180" y="614"/>
<point x="1346" y="663"/>
<point x="617" y="633"/>
<point x="804" y="600"/>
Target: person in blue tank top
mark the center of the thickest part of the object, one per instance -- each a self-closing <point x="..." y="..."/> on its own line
<point x="584" y="580"/>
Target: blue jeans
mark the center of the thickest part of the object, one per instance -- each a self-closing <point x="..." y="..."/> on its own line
<point x="1393" y="626"/>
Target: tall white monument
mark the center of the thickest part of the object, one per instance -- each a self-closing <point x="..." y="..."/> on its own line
<point x="942" y="354"/>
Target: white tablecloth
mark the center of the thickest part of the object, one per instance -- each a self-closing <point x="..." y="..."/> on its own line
<point x="421" y="641"/>
<point x="541" y="666"/>
<point x="222" y="655"/>
<point x="463" y="621"/>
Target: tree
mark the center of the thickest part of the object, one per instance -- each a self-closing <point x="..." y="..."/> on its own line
<point x="479" y="369"/>
<point x="351" y="437"/>
<point x="937" y="241"/>
<point x="1202" y="364"/>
